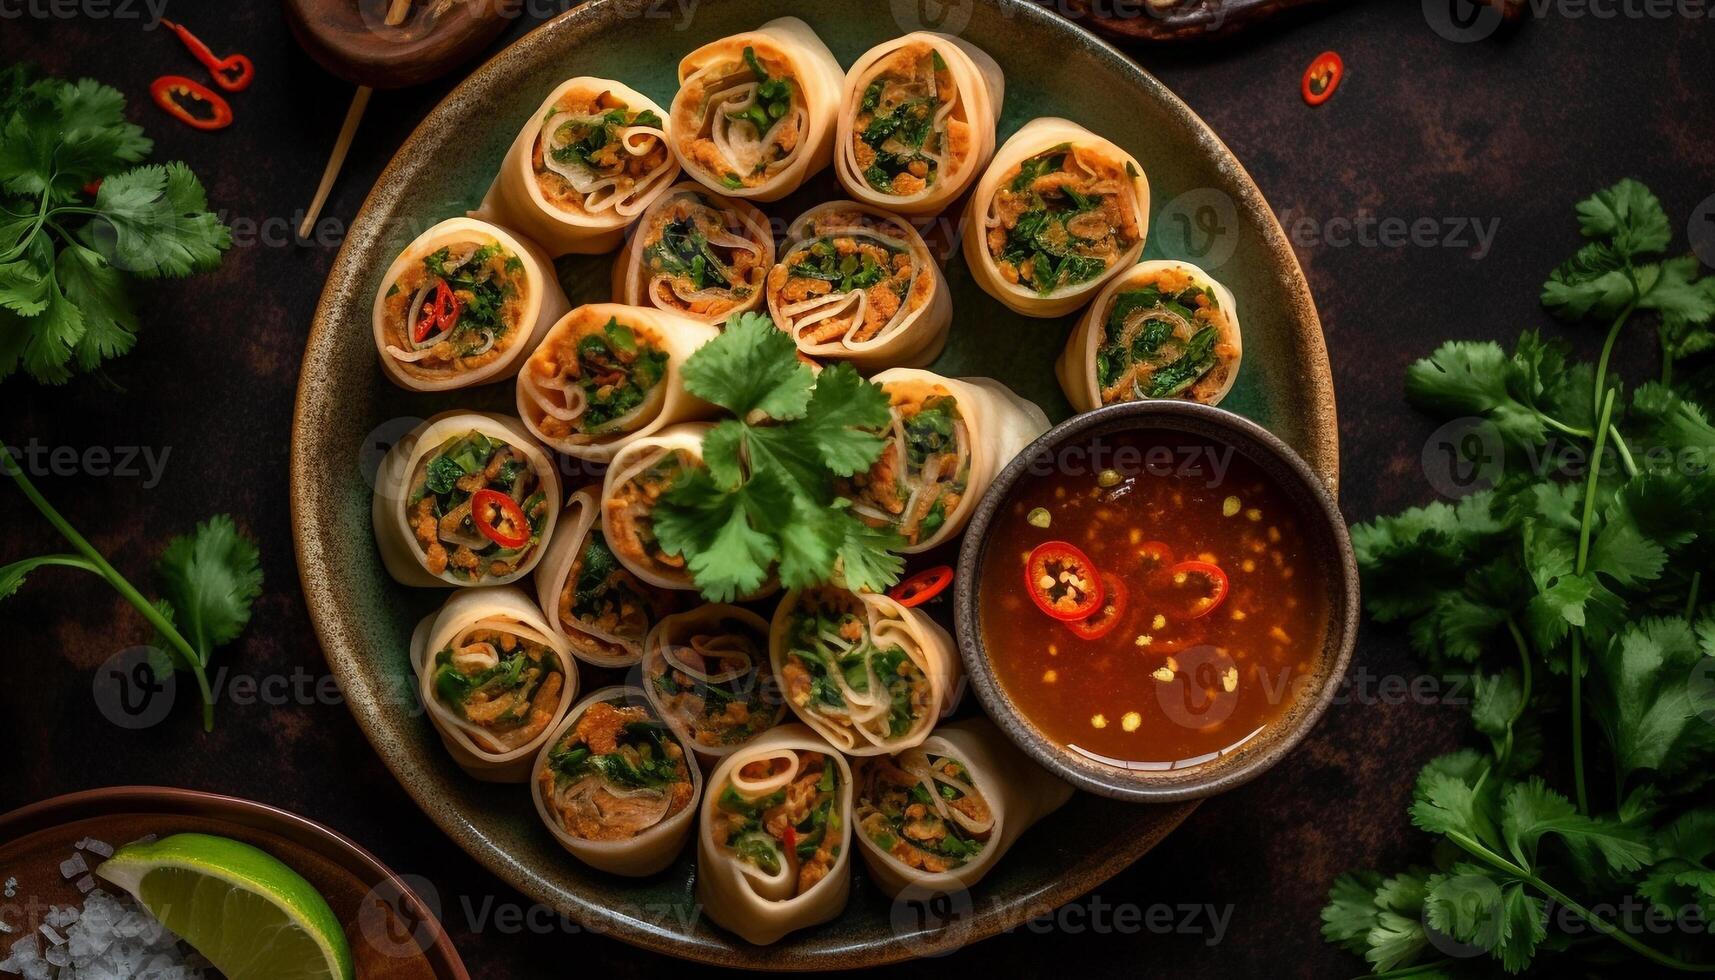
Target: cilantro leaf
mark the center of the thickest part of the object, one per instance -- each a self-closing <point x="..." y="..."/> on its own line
<point x="1629" y="215"/>
<point x="1648" y="702"/>
<point x="211" y="576"/>
<point x="154" y="222"/>
<point x="754" y="367"/>
<point x="1532" y="811"/>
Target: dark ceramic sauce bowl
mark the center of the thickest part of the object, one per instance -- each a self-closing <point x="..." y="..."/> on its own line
<point x="1327" y="547"/>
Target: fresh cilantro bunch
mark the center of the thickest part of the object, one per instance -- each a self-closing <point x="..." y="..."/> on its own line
<point x="765" y="502"/>
<point x="208" y="580"/>
<point x="78" y="218"/>
<point x="1577" y="605"/>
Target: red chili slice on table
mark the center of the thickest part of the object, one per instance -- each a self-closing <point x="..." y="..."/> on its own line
<point x="440" y="312"/>
<point x="191" y="102"/>
<point x="922" y="587"/>
<point x="499" y="518"/>
<point x="232" y="72"/>
<point x="1063" y="581"/>
<point x="1115" y="601"/>
<point x="1322" y="77"/>
<point x="1204" y="583"/>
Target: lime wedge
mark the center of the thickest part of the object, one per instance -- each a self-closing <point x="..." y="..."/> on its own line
<point x="253" y="917"/>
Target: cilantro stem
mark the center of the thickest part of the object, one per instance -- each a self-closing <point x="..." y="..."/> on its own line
<point x="1577" y="671"/>
<point x="99" y="565"/>
<point x="1570" y="430"/>
<point x="1608" y="350"/>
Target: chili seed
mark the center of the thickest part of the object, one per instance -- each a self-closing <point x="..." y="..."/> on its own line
<point x="1230" y="506"/>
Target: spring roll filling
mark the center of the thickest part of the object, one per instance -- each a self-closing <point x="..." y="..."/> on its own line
<point x="596" y="380"/>
<point x="747" y="117"/>
<point x="836" y="670"/>
<point x="1062" y="218"/>
<point x="795" y="830"/>
<point x="472" y="321"/>
<point x="717" y="683"/>
<point x="701" y="259"/>
<point x="631" y="505"/>
<point x="849" y="286"/>
<point x="506" y="687"/>
<point x="594" y="152"/>
<point x="445" y="523"/>
<point x="906" y="131"/>
<point x="616" y="773"/>
<point x="922" y="474"/>
<point x="1164" y="338"/>
<point x="924" y="810"/>
<point x="604" y="596"/>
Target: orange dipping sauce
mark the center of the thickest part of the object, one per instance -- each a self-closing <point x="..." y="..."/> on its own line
<point x="1212" y="615"/>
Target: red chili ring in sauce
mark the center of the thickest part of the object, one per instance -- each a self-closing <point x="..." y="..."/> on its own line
<point x="922" y="587"/>
<point x="481" y="500"/>
<point x="1154" y="556"/>
<point x="1107" y="618"/>
<point x="1217" y="584"/>
<point x="1322" y="77"/>
<point x="167" y="90"/>
<point x="1053" y="561"/>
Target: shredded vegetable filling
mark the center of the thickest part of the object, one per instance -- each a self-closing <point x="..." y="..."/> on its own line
<point x="747" y="119"/>
<point x="504" y="685"/>
<point x="617" y="773"/>
<point x="698" y="264"/>
<point x="853" y="282"/>
<point x="791" y="832"/>
<point x="457" y="309"/>
<point x="1162" y="340"/>
<point x="632" y="504"/>
<point x="716" y="681"/>
<point x="595" y="380"/>
<point x="922" y="474"/>
<point x="594" y="153"/>
<point x="476" y="508"/>
<point x="905" y="134"/>
<point x="835" y="669"/>
<point x="602" y="595"/>
<point x="1062" y="218"/>
<point x="924" y="810"/>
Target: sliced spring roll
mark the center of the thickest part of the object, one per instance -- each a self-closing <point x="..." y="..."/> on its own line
<point x="755" y="112"/>
<point x="869" y="675"/>
<point x="948" y="440"/>
<point x="774" y="847"/>
<point x="707" y="674"/>
<point x="858" y="284"/>
<point x="917" y="122"/>
<point x="494" y="678"/>
<point x="1163" y="329"/>
<point x="461" y="306"/>
<point x="937" y="817"/>
<point x="466" y="498"/>
<point x="1059" y="212"/>
<point x="585" y="165"/>
<point x="607" y="374"/>
<point x="603" y="610"/>
<point x="616" y="786"/>
<point x="636" y="479"/>
<point x="698" y="254"/>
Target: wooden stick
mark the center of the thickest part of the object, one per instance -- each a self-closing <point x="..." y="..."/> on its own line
<point x="353" y="116"/>
<point x="396" y="13"/>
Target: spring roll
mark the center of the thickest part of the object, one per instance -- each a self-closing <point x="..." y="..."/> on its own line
<point x="1162" y="329"/>
<point x="858" y="284"/>
<point x="636" y="479"/>
<point x="869" y="675"/>
<point x="466" y="498"/>
<point x="494" y="679"/>
<point x="603" y="610"/>
<point x="707" y="674"/>
<point x="461" y="306"/>
<point x="608" y="374"/>
<point x="948" y="440"/>
<point x="917" y="122"/>
<point x="615" y="786"/>
<point x="774" y="845"/>
<point x="697" y="254"/>
<point x="1059" y="212"/>
<point x="585" y="165"/>
<point x="936" y="818"/>
<point x="755" y="112"/>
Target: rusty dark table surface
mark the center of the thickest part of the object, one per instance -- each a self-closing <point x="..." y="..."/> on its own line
<point x="1503" y="135"/>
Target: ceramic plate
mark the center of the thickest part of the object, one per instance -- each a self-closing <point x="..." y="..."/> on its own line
<point x="1204" y="208"/>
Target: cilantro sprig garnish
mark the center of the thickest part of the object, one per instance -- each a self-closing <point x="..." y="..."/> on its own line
<point x="79" y="219"/>
<point x="208" y="579"/>
<point x="1575" y="602"/>
<point x="764" y="502"/>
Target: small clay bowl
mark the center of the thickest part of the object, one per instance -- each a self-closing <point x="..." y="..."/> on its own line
<point x="1329" y="549"/>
